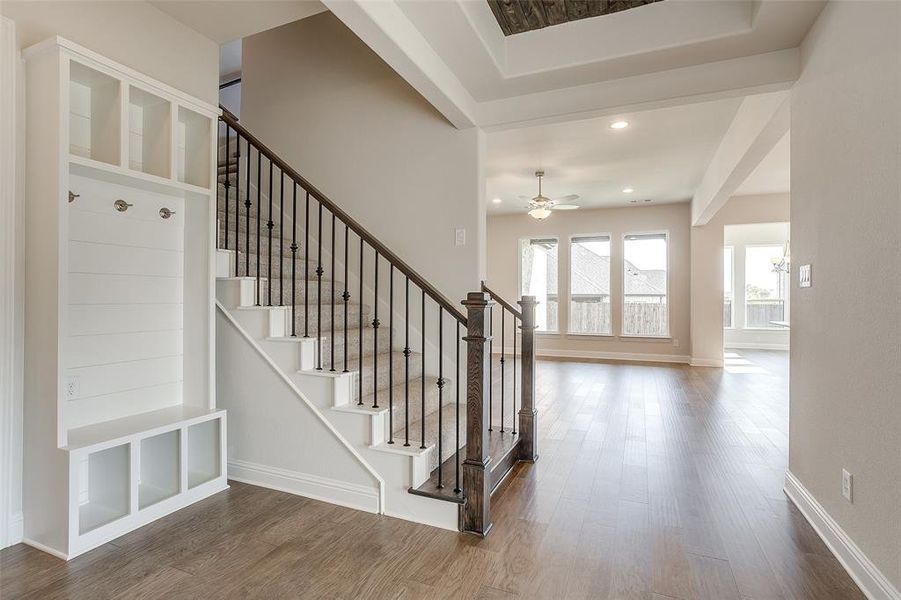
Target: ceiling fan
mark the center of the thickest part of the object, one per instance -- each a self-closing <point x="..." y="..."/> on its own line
<point x="540" y="206"/>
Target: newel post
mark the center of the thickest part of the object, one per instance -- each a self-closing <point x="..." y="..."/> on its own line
<point x="528" y="416"/>
<point x="476" y="479"/>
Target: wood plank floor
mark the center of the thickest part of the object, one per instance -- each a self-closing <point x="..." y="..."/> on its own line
<point x="654" y="482"/>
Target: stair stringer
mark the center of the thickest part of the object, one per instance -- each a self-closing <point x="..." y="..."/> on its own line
<point x="360" y="429"/>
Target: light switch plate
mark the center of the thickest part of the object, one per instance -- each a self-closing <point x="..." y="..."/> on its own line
<point x="847" y="486"/>
<point x="460" y="237"/>
<point x="73" y="387"/>
<point x="804" y="276"/>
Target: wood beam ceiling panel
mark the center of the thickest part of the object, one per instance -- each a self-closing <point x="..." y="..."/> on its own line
<point x="518" y="16"/>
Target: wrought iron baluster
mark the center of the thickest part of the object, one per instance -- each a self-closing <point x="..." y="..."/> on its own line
<point x="259" y="219"/>
<point x="491" y="368"/>
<point x="247" y="215"/>
<point x="319" y="292"/>
<point x="332" y="293"/>
<point x="391" y="354"/>
<point x="503" y="361"/>
<point x="422" y="378"/>
<point x="269" y="225"/>
<point x="457" y="417"/>
<point x="360" y="323"/>
<point x="306" y="268"/>
<point x="228" y="182"/>
<point x="281" y="239"/>
<point x="407" y="361"/>
<point x="238" y="195"/>
<point x="346" y="295"/>
<point x="375" y="335"/>
<point x="440" y="392"/>
<point x="513" y="398"/>
<point x="294" y="263"/>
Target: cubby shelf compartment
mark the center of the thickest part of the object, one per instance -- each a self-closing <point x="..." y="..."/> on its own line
<point x="104" y="488"/>
<point x="159" y="477"/>
<point x="149" y="132"/>
<point x="93" y="114"/>
<point x="204" y="461"/>
<point x="193" y="148"/>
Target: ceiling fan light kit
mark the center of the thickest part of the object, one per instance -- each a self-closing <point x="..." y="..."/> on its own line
<point x="540" y="206"/>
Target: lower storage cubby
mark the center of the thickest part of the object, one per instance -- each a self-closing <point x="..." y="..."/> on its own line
<point x="104" y="488"/>
<point x="159" y="477"/>
<point x="204" y="463"/>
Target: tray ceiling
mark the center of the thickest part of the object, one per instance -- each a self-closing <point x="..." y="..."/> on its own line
<point x="518" y="16"/>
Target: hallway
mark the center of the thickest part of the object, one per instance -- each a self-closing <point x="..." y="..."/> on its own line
<point x="654" y="481"/>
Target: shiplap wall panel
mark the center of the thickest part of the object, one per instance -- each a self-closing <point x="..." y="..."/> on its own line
<point x="87" y="411"/>
<point x="126" y="287"/>
<point x="90" y="319"/>
<point x="92" y="350"/>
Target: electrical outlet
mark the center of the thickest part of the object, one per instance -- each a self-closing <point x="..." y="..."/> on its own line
<point x="804" y="276"/>
<point x="675" y="342"/>
<point x="460" y="237"/>
<point x="847" y="485"/>
<point x="73" y="386"/>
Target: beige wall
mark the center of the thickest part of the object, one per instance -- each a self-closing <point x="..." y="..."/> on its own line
<point x="321" y="99"/>
<point x="846" y="223"/>
<point x="707" y="269"/>
<point x="505" y="231"/>
<point x="133" y="33"/>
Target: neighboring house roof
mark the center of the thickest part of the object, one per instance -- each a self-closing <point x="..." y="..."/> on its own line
<point x="591" y="275"/>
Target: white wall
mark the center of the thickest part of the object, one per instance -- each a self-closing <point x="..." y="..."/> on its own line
<point x="740" y="237"/>
<point x="135" y="34"/>
<point x="324" y="102"/>
<point x="846" y="223"/>
<point x="707" y="269"/>
<point x="505" y="231"/>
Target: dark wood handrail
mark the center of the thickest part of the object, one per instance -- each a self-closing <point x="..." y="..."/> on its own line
<point x="370" y="239"/>
<point x="497" y="298"/>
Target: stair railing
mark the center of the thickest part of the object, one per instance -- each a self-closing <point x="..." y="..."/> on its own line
<point x="261" y="227"/>
<point x="331" y="240"/>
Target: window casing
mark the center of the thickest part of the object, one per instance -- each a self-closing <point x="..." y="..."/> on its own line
<point x="728" y="287"/>
<point x="538" y="276"/>
<point x="589" y="285"/>
<point x="645" y="285"/>
<point x="765" y="288"/>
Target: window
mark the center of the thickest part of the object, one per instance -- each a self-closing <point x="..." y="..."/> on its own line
<point x="645" y="311"/>
<point x="728" y="284"/>
<point x="765" y="288"/>
<point x="589" y="285"/>
<point x="538" y="277"/>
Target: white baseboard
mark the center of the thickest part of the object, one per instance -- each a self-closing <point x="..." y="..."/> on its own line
<point x="620" y="356"/>
<point x="47" y="549"/>
<point x="755" y="346"/>
<point x="867" y="576"/>
<point x="706" y="362"/>
<point x="345" y="494"/>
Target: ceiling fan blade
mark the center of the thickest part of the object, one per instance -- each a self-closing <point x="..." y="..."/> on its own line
<point x="568" y="198"/>
<point x="524" y="197"/>
<point x="565" y="207"/>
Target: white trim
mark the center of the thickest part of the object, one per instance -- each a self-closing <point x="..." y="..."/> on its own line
<point x="706" y="362"/>
<point x="333" y="491"/>
<point x="755" y="346"/>
<point x="623" y="356"/>
<point x="861" y="569"/>
<point x="10" y="351"/>
<point x="47" y="549"/>
<point x="328" y="424"/>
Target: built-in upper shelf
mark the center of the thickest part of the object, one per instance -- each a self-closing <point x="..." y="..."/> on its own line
<point x="147" y="135"/>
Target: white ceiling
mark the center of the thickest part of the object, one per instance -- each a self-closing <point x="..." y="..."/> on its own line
<point x="226" y="20"/>
<point x="662" y="155"/>
<point x="773" y="174"/>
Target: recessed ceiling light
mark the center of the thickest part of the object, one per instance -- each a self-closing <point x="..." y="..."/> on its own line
<point x="619" y="125"/>
<point x="628" y="190"/>
<point x="496" y="200"/>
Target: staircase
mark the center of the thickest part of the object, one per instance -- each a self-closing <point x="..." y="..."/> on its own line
<point x="374" y="348"/>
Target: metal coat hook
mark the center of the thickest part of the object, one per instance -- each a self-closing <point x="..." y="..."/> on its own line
<point x="73" y="196"/>
<point x="121" y="205"/>
<point x="166" y="213"/>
